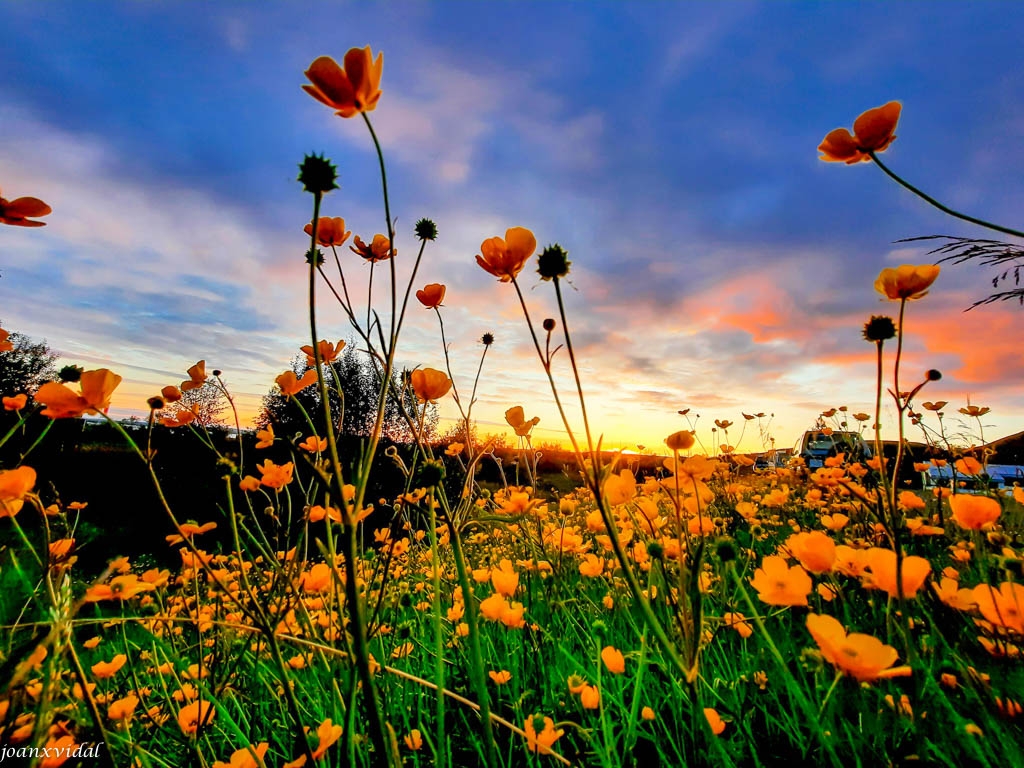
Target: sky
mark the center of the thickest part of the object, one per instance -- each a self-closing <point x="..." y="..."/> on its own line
<point x="717" y="264"/>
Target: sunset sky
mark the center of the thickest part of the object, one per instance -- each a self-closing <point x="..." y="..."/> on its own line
<point x="718" y="265"/>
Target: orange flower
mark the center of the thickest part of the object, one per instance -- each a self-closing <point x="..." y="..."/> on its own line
<point x="881" y="566"/>
<point x="613" y="660"/>
<point x="541" y="742"/>
<point x="500" y="678"/>
<point x="351" y="90"/>
<point x="1003" y="607"/>
<point x="327" y="733"/>
<point x="170" y="393"/>
<point x="968" y="465"/>
<point x="249" y="483"/>
<point x="815" y="551"/>
<point x="291" y="384"/>
<point x="862" y="657"/>
<point x="974" y="512"/>
<point x="414" y="740"/>
<point x="516" y="418"/>
<point x="196" y="377"/>
<point x="873" y="131"/>
<point x="104" y="669"/>
<point x="192" y="716"/>
<point x="973" y="410"/>
<point x="314" y="444"/>
<point x="182" y="418"/>
<point x="14" y="484"/>
<point x="17" y="212"/>
<point x="5" y="345"/>
<point x="275" y="476"/>
<point x="329" y="231"/>
<point x="906" y="281"/>
<point x="379" y="250"/>
<point x="96" y="389"/>
<point x="680" y="441"/>
<point x="431" y="296"/>
<point x="778" y="584"/>
<point x="715" y="721"/>
<point x="265" y="437"/>
<point x="243" y="758"/>
<point x="328" y="352"/>
<point x="430" y="385"/>
<point x="505" y="579"/>
<point x="124" y="708"/>
<point x="505" y="258"/>
<point x="590" y="697"/>
<point x="15" y="403"/>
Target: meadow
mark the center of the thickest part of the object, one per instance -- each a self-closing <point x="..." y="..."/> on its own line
<point x="337" y="602"/>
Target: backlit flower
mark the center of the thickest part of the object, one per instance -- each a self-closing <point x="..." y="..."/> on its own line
<point x="862" y="657"/>
<point x="906" y="281"/>
<point x="505" y="258"/>
<point x="378" y="250"/>
<point x="974" y="512"/>
<point x="96" y="389"/>
<point x="351" y="90"/>
<point x="779" y="584"/>
<point x="196" y="376"/>
<point x="314" y="444"/>
<point x="20" y="211"/>
<point x="328" y="352"/>
<point x="516" y="418"/>
<point x="265" y="436"/>
<point x="430" y="385"/>
<point x="291" y="385"/>
<point x="815" y="550"/>
<point x="431" y="295"/>
<point x="5" y="344"/>
<point x="873" y="131"/>
<point x="975" y="411"/>
<point x="14" y="484"/>
<point x="329" y="231"/>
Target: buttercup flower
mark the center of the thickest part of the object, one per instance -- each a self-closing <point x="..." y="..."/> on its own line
<point x="906" y="281"/>
<point x="613" y="660"/>
<point x="881" y="565"/>
<point x="14" y="484"/>
<point x="378" y="250"/>
<point x="516" y="418"/>
<point x="197" y="377"/>
<point x="505" y="258"/>
<point x="328" y="352"/>
<point x="291" y="384"/>
<point x="5" y="344"/>
<point x="778" y="584"/>
<point x="61" y="402"/>
<point x="541" y="742"/>
<point x="1003" y="607"/>
<point x="873" y="131"/>
<point x="862" y="657"/>
<point x="430" y="385"/>
<point x="194" y="715"/>
<point x="20" y="211"/>
<point x="431" y="295"/>
<point x="351" y="90"/>
<point x="329" y="231"/>
<point x="974" y="512"/>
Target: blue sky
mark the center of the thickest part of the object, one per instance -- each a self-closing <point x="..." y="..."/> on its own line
<point x="669" y="147"/>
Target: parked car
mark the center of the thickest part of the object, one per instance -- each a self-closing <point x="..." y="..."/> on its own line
<point x="817" y="445"/>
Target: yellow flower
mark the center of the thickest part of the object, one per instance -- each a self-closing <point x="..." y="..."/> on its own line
<point x="778" y="584"/>
<point x="906" y="281"/>
<point x="541" y="742"/>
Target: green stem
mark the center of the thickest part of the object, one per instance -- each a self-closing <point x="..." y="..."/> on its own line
<point x="940" y="206"/>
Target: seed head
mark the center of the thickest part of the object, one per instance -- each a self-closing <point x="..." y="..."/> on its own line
<point x="487" y="339"/>
<point x="426" y="229"/>
<point x="317" y="174"/>
<point x="553" y="262"/>
<point x="549" y="324"/>
<point x="879" y="328"/>
<point x="69" y="374"/>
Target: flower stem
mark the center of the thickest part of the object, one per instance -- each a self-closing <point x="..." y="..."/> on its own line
<point x="940" y="206"/>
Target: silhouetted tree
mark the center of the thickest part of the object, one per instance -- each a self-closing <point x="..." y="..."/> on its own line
<point x="355" y="411"/>
<point x="25" y="367"/>
<point x="207" y="402"/>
